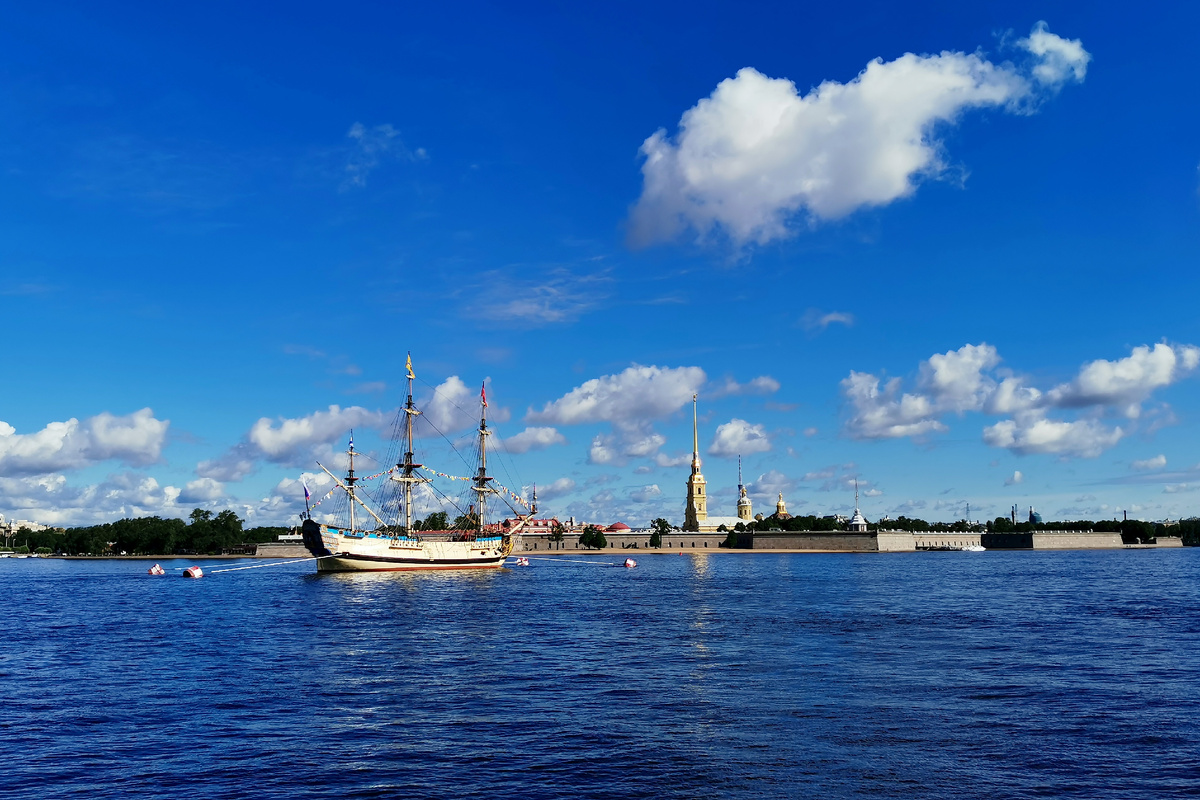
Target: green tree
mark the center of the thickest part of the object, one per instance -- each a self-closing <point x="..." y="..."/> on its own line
<point x="558" y="531"/>
<point x="466" y="522"/>
<point x="436" y="521"/>
<point x="593" y="537"/>
<point x="659" y="527"/>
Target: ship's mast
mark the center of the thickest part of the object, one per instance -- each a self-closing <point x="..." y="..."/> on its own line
<point x="350" y="481"/>
<point x="410" y="411"/>
<point x="481" y="480"/>
<point x="407" y="466"/>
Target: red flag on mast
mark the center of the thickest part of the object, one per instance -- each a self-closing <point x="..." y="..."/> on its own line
<point x="483" y="394"/>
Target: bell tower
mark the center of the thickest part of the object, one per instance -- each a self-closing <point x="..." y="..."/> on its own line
<point x="697" y="500"/>
<point x="745" y="512"/>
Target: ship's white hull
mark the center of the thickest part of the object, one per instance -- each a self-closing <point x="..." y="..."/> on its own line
<point x="339" y="551"/>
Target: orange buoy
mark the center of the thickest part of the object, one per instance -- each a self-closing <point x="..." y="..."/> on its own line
<point x="193" y="572"/>
<point x="157" y="570"/>
<point x="630" y="563"/>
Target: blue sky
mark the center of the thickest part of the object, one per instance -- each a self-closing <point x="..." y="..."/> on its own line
<point x="952" y="258"/>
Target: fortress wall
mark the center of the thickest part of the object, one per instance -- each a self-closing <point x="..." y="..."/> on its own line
<point x="842" y="541"/>
<point x="276" y="550"/>
<point x="1068" y="540"/>
<point x="928" y="539"/>
<point x="675" y="540"/>
<point x="1051" y="540"/>
<point x="896" y="541"/>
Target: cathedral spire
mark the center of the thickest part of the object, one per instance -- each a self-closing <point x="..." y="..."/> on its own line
<point x="695" y="438"/>
<point x="697" y="503"/>
<point x="743" y="503"/>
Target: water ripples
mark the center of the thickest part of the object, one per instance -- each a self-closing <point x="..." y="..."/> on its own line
<point x="932" y="675"/>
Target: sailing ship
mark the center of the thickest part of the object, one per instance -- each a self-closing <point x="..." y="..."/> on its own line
<point x="371" y="544"/>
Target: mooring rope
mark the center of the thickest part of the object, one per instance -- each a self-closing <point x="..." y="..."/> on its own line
<point x="257" y="566"/>
<point x="571" y="561"/>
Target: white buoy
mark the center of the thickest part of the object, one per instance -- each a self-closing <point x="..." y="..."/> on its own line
<point x="193" y="572"/>
<point x="157" y="570"/>
<point x="630" y="563"/>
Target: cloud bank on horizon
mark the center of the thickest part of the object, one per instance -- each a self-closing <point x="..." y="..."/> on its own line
<point x="963" y="380"/>
<point x="756" y="155"/>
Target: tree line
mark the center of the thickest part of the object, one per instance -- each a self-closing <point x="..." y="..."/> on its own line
<point x="203" y="533"/>
<point x="1132" y="531"/>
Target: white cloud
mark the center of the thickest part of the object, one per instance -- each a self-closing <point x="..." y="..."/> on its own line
<point x="756" y="153"/>
<point x="949" y="382"/>
<point x="1031" y="433"/>
<point x="837" y="478"/>
<point x="560" y="487"/>
<point x="52" y="500"/>
<point x="533" y="438"/>
<point x="1128" y="381"/>
<point x="739" y="437"/>
<point x="559" y="296"/>
<point x="234" y="465"/>
<point x="136" y="439"/>
<point x="816" y="320"/>
<point x="630" y="401"/>
<point x="1059" y="60"/>
<point x="627" y="441"/>
<point x="955" y="379"/>
<point x="645" y="494"/>
<point x="202" y="491"/>
<point x="769" y="484"/>
<point x="1158" y="462"/>
<point x="603" y="450"/>
<point x="638" y="393"/>
<point x="664" y="460"/>
<point x="294" y="441"/>
<point x="886" y="413"/>
<point x="1014" y="479"/>
<point x="371" y="147"/>
<point x="452" y="407"/>
<point x="763" y="384"/>
<point x="960" y="381"/>
<point x="1012" y="395"/>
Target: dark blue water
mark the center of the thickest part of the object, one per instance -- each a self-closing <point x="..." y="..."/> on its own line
<point x="922" y="675"/>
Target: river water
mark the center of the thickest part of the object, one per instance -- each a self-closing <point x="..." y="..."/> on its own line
<point x="923" y="675"/>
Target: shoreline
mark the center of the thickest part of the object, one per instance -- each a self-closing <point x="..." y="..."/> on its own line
<point x="625" y="553"/>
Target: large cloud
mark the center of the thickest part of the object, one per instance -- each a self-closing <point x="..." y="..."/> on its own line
<point x="292" y="441"/>
<point x="757" y="152"/>
<point x="136" y="439"/>
<point x="629" y="401"/>
<point x="1032" y="433"/>
<point x="638" y="393"/>
<point x="1128" y="381"/>
<point x="739" y="437"/>
<point x="532" y="438"/>
<point x="962" y="380"/>
<point x="52" y="500"/>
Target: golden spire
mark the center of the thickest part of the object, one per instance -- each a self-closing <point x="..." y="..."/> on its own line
<point x="695" y="438"/>
<point x="695" y="429"/>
